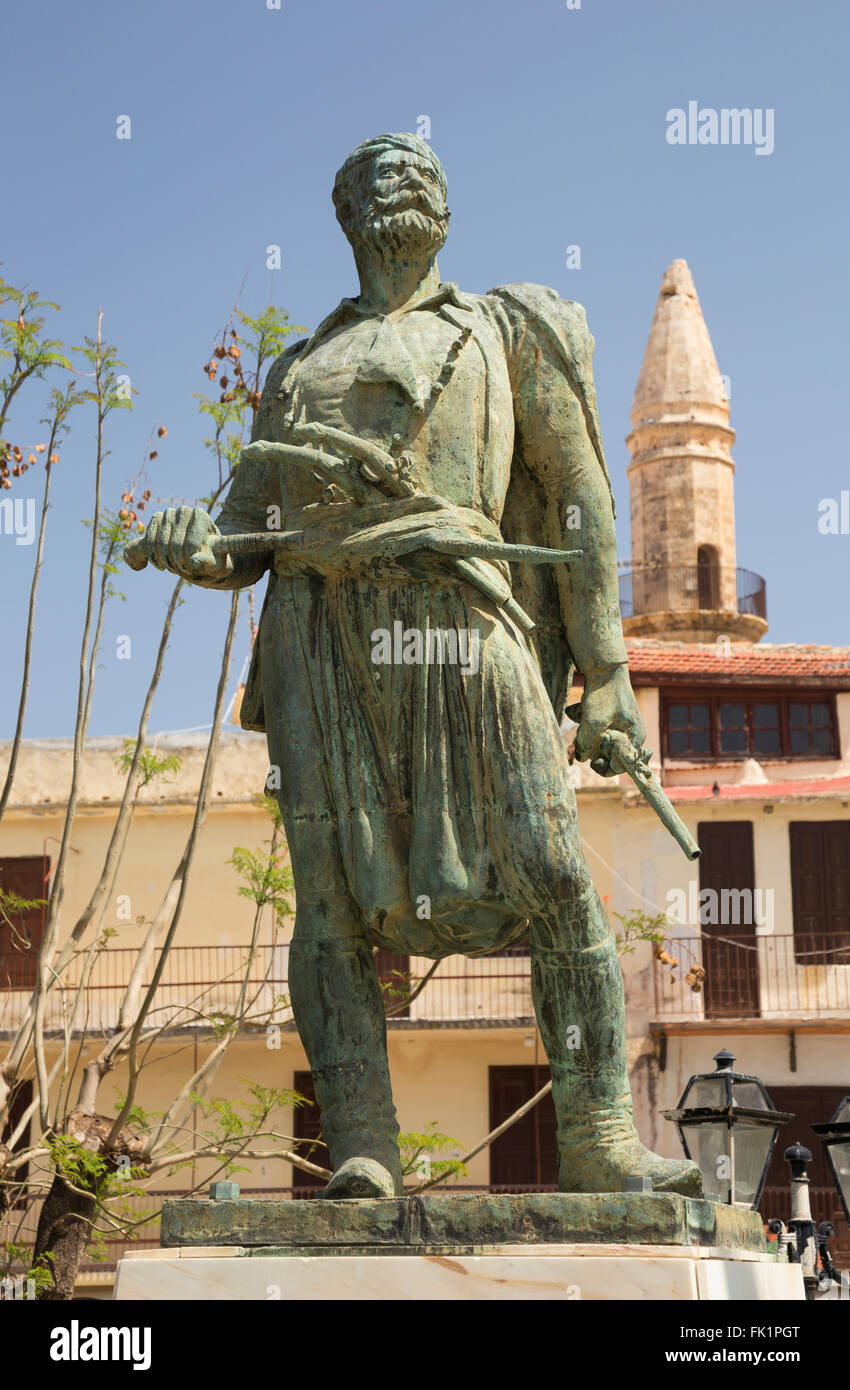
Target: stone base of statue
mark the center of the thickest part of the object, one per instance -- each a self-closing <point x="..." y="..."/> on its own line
<point x="598" y="1246"/>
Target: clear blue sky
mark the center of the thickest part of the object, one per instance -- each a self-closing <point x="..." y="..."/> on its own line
<point x="551" y="126"/>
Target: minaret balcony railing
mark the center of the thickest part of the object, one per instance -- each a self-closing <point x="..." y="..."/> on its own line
<point x="654" y="588"/>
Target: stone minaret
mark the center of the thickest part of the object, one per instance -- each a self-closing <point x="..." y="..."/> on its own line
<point x="684" y="583"/>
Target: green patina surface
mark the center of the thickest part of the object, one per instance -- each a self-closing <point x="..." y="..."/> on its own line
<point x="445" y="1223"/>
<point x="410" y="460"/>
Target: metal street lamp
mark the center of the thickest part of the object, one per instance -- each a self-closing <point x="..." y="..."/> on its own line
<point x="835" y="1137"/>
<point x="802" y="1242"/>
<point x="728" y="1126"/>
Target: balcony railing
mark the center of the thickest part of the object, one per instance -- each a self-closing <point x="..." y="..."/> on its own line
<point x="202" y="981"/>
<point x="746" y="976"/>
<point x="684" y="588"/>
<point x="793" y="975"/>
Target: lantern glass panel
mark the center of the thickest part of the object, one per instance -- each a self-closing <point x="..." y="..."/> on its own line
<point x="708" y="1145"/>
<point x="706" y="1092"/>
<point x="842" y="1114"/>
<point x="752" y="1146"/>
<point x="840" y="1155"/>
<point x="749" y="1094"/>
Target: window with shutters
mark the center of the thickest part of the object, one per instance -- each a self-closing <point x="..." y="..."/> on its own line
<point x="525" y="1157"/>
<point x="21" y="931"/>
<point x="809" y="1105"/>
<point x="729" y="955"/>
<point x="308" y="1127"/>
<point x="820" y="891"/>
<point x="21" y="1100"/>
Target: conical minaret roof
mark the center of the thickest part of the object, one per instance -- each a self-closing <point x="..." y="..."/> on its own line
<point x="679" y="370"/>
<point x="685" y="584"/>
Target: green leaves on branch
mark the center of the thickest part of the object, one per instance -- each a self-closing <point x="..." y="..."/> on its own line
<point x="151" y="765"/>
<point x="418" y="1155"/>
<point x="268" y="881"/>
<point x="637" y="927"/>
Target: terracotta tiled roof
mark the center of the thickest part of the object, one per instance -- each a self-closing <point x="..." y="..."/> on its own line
<point x="651" y="661"/>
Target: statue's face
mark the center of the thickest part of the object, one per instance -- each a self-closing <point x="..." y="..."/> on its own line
<point x="402" y="207"/>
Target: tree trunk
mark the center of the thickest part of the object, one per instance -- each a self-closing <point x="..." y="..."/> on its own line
<point x="64" y="1229"/>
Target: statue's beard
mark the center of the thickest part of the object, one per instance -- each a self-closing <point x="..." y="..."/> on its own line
<point x="408" y="226"/>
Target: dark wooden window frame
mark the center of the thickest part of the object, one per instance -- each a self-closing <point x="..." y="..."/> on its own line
<point x="748" y="696"/>
<point x="21" y="1099"/>
<point x="831" y="938"/>
<point x="539" y="1161"/>
<point x="18" y="966"/>
<point x="731" y="986"/>
<point x="307" y="1126"/>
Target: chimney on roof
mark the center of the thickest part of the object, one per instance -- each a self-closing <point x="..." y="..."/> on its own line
<point x="684" y="584"/>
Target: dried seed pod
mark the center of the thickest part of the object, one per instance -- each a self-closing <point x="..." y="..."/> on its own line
<point x="219" y="351"/>
<point x="153" y="454"/>
<point x="54" y="458"/>
<point x="40" y="448"/>
<point x="162" y="431"/>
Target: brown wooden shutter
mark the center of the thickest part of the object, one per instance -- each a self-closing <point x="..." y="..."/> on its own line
<point x="526" y="1155"/>
<point x="729" y="954"/>
<point x="18" y="963"/>
<point x="21" y="1100"/>
<point x="308" y="1126"/>
<point x="820" y="890"/>
<point x="809" y="1105"/>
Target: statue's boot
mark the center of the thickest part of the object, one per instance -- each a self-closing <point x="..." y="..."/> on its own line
<point x="360" y="1177"/>
<point x="339" y="1012"/>
<point x="578" y="996"/>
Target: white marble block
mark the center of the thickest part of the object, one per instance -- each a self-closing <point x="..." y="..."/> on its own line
<point x="607" y="1273"/>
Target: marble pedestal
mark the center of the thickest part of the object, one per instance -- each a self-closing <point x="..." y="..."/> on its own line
<point x="598" y="1246"/>
<point x="507" y="1272"/>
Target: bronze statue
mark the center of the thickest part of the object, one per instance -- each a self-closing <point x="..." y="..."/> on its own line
<point x="434" y="463"/>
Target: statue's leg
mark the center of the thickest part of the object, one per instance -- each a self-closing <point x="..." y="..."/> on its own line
<point x="339" y="1013"/>
<point x="578" y="996"/>
<point x="333" y="983"/>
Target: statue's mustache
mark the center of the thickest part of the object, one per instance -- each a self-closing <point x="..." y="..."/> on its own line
<point x="411" y="200"/>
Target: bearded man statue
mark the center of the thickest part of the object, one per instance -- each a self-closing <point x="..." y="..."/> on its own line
<point x="429" y="807"/>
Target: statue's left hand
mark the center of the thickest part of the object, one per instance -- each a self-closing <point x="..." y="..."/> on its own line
<point x="607" y="703"/>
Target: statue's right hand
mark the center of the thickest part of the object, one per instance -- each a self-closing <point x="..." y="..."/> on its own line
<point x="178" y="539"/>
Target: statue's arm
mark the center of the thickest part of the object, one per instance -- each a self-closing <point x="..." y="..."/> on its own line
<point x="550" y="364"/>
